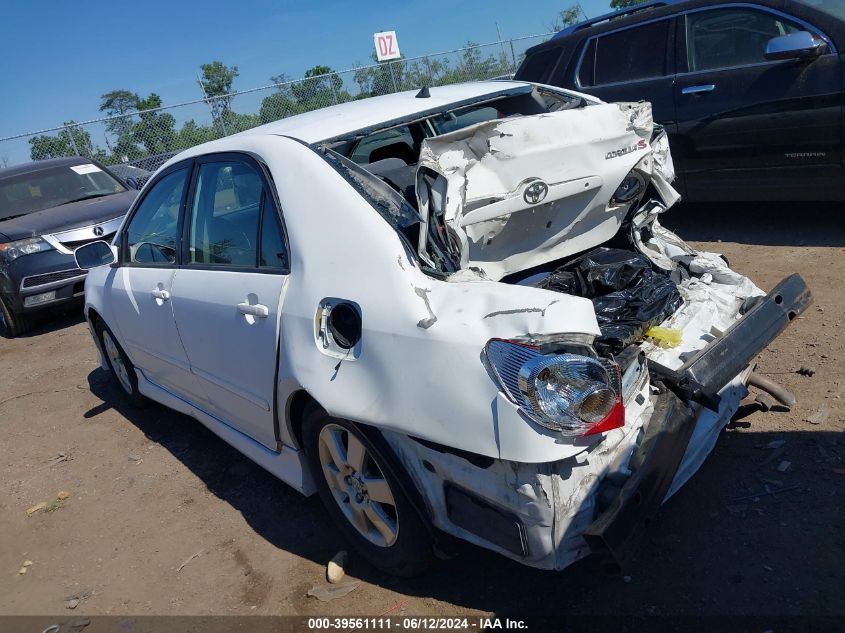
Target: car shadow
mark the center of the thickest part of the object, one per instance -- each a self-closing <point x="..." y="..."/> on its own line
<point x="715" y="548"/>
<point x="55" y="320"/>
<point x="763" y="223"/>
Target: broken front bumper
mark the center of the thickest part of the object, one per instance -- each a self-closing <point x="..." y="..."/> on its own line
<point x="619" y="527"/>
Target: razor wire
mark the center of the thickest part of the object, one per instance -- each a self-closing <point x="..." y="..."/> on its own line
<point x="148" y="138"/>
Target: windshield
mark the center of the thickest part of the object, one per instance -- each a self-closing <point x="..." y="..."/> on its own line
<point x="833" y="7"/>
<point x="46" y="188"/>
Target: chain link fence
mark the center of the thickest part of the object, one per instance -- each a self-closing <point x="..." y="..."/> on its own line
<point x="146" y="139"/>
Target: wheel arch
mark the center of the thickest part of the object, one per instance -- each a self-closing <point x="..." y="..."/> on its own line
<point x="295" y="407"/>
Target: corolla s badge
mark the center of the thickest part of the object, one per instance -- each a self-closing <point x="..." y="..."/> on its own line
<point x="98" y="231"/>
<point x="536" y="192"/>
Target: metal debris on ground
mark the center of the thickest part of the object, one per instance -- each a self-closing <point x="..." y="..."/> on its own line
<point x="72" y="601"/>
<point x="327" y="593"/>
<point x="784" y="466"/>
<point x="820" y="416"/>
<point x="766" y="402"/>
<point x="61" y="456"/>
<point x="182" y="566"/>
<point x="806" y="371"/>
<point x="336" y="569"/>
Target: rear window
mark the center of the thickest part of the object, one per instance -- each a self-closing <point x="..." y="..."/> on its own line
<point x="538" y="67"/>
<point x="629" y="55"/>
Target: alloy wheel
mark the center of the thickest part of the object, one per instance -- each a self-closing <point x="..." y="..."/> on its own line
<point x="358" y="485"/>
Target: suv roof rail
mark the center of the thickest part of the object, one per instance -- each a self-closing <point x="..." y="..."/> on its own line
<point x="614" y="14"/>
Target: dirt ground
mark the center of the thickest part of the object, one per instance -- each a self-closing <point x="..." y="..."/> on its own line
<point x="164" y="518"/>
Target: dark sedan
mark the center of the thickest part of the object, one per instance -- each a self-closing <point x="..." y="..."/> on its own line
<point x="47" y="209"/>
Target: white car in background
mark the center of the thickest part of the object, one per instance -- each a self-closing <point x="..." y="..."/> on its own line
<point x="376" y="302"/>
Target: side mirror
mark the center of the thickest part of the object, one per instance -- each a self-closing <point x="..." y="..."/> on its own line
<point x="800" y="45"/>
<point x="94" y="254"/>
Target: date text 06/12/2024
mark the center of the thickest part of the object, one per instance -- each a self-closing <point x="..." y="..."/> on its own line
<point x="415" y="624"/>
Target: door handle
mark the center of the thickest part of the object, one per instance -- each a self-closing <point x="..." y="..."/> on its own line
<point x="163" y="295"/>
<point x="697" y="90"/>
<point x="256" y="310"/>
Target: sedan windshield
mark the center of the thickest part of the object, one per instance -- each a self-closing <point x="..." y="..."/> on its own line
<point x="46" y="188"/>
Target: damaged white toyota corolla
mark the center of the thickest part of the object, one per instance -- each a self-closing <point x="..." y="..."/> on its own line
<point x="451" y="313"/>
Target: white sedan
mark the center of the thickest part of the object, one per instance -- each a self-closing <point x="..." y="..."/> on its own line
<point x="451" y="313"/>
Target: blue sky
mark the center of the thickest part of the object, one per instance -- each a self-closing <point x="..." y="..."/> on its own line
<point x="58" y="57"/>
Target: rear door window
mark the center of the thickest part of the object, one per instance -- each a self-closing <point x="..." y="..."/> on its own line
<point x="628" y="55"/>
<point x="724" y="38"/>
<point x="226" y="214"/>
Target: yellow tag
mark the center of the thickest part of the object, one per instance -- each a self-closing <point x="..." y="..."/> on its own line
<point x="35" y="192"/>
<point x="665" y="336"/>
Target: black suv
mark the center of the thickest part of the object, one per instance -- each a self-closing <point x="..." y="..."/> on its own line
<point x="751" y="93"/>
<point x="47" y="209"/>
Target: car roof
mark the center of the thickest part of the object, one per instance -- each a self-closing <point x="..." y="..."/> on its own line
<point x="345" y="118"/>
<point x="39" y="165"/>
<point x="623" y="17"/>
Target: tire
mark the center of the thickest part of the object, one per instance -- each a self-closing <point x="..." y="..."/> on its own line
<point x="367" y="499"/>
<point x="11" y="324"/>
<point x="121" y="368"/>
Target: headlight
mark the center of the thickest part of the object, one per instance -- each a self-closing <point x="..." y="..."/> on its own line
<point x="12" y="250"/>
<point x="568" y="393"/>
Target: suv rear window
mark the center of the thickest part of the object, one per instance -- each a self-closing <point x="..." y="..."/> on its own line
<point x="635" y="53"/>
<point x="538" y="67"/>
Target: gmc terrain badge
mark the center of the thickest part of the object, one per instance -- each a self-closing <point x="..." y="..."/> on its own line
<point x="535" y="192"/>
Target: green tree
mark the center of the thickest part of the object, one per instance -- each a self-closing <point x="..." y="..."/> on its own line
<point x="567" y="17"/>
<point x="121" y="103"/>
<point x="275" y="106"/>
<point x="217" y="79"/>
<point x="624" y="4"/>
<point x="72" y="140"/>
<point x="320" y="87"/>
<point x="191" y="134"/>
<point x="380" y="78"/>
<point x="156" y="131"/>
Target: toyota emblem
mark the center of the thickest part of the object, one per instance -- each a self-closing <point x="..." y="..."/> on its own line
<point x="536" y="192"/>
<point x="98" y="231"/>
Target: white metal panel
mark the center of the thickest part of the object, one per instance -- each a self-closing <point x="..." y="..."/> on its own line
<point x="232" y="354"/>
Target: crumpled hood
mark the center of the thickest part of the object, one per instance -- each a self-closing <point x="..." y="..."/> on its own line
<point x="523" y="191"/>
<point x="68" y="216"/>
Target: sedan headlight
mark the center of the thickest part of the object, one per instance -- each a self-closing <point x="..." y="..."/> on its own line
<point x="568" y="393"/>
<point x="12" y="250"/>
